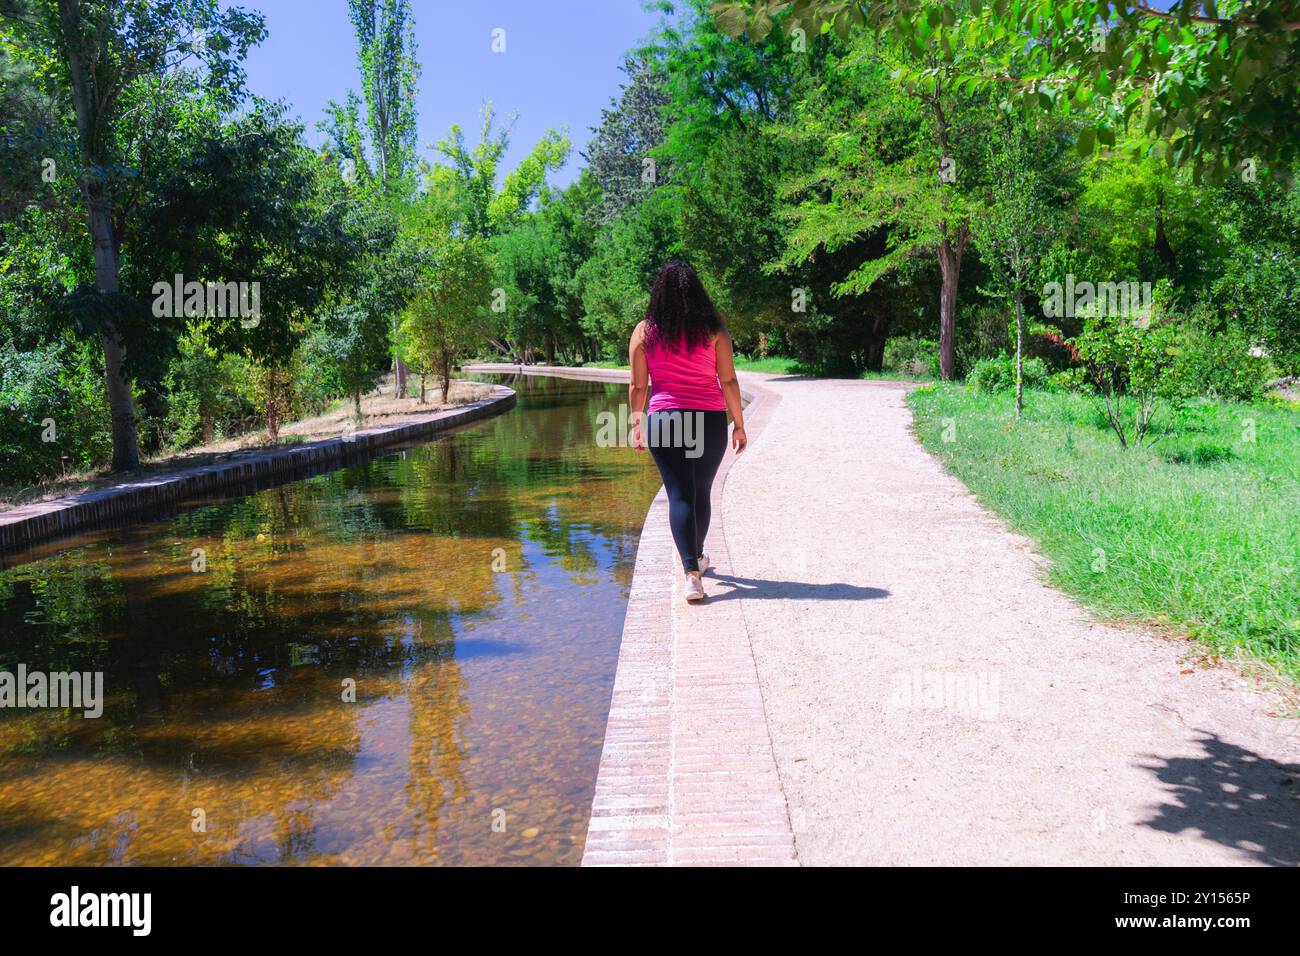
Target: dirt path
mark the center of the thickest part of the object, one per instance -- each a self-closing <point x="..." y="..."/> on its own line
<point x="931" y="701"/>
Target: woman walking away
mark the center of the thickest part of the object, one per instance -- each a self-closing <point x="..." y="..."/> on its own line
<point x="683" y="350"/>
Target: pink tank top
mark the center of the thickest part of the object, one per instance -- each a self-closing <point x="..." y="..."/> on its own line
<point x="684" y="378"/>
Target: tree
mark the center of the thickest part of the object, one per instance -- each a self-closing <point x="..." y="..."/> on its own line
<point x="1207" y="88"/>
<point x="537" y="261"/>
<point x="445" y="318"/>
<point x="1012" y="231"/>
<point x="899" y="158"/>
<point x="383" y="158"/>
<point x="99" y="49"/>
<point x="470" y="181"/>
<point x="1127" y="362"/>
<point x="631" y="128"/>
<point x="386" y="51"/>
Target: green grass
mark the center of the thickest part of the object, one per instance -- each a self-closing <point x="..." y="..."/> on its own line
<point x="774" y="364"/>
<point x="1200" y="530"/>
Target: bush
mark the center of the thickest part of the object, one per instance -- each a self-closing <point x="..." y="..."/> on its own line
<point x="1127" y="364"/>
<point x="1068" y="380"/>
<point x="912" y="356"/>
<point x="203" y="394"/>
<point x="52" y="411"/>
<point x="999" y="374"/>
<point x="1217" y="364"/>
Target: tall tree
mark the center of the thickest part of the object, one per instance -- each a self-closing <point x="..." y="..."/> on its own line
<point x="99" y="49"/>
<point x="485" y="208"/>
<point x="899" y="157"/>
<point x="383" y="155"/>
<point x="620" y="155"/>
<point x="390" y="75"/>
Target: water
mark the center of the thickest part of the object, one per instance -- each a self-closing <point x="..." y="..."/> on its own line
<point x="481" y="693"/>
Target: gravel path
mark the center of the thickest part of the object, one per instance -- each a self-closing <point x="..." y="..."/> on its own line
<point x="931" y="701"/>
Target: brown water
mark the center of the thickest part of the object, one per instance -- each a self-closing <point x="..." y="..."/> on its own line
<point x="481" y="694"/>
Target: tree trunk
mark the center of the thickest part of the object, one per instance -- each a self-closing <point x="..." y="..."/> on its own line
<point x="550" y="349"/>
<point x="126" y="449"/>
<point x="1162" y="247"/>
<point x="356" y="404"/>
<point x="873" y="358"/>
<point x="422" y="399"/>
<point x="446" y="378"/>
<point x="275" y="404"/>
<point x="399" y="377"/>
<point x="1020" y="367"/>
<point x="950" y="270"/>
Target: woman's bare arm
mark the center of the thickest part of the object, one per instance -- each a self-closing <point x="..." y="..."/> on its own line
<point x="731" y="390"/>
<point x="638" y="387"/>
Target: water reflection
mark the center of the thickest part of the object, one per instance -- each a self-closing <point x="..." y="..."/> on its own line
<point x="481" y="693"/>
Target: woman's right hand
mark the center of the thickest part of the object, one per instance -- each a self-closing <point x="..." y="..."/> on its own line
<point x="739" y="440"/>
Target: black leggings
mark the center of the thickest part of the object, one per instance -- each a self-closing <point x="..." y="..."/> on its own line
<point x="688" y="447"/>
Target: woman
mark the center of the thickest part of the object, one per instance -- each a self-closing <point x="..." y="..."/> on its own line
<point x="682" y="348"/>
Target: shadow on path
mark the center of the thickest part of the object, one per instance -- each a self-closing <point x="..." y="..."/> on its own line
<point x="759" y="588"/>
<point x="1234" y="797"/>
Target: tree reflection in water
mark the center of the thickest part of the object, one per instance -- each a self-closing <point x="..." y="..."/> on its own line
<point x="477" y="691"/>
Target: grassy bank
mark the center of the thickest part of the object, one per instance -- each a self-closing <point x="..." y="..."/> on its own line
<point x="1200" y="530"/>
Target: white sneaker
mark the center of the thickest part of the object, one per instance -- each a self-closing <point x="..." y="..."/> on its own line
<point x="705" y="563"/>
<point x="693" y="590"/>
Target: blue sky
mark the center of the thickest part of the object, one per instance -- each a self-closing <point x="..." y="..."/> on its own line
<point x="560" y="66"/>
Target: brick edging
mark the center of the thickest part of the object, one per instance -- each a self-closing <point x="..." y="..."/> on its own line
<point x="22" y="528"/>
<point x="687" y="774"/>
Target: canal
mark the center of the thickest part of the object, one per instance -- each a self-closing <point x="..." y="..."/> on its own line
<point x="471" y="590"/>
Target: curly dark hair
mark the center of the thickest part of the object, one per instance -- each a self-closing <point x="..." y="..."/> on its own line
<point x="680" y="313"/>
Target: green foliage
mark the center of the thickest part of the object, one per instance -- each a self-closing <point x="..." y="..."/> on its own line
<point x="470" y="182"/>
<point x="204" y="397"/>
<point x="537" y="262"/>
<point x="912" y="356"/>
<point x="53" y="391"/>
<point x="446" y="316"/>
<point x="1258" y="277"/>
<point x="621" y="156"/>
<point x="616" y="279"/>
<point x="1215" y="362"/>
<point x="390" y="73"/>
<point x="1127" y="363"/>
<point x="1204" y="88"/>
<point x="993" y="375"/>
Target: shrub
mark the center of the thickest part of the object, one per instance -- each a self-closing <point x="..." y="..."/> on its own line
<point x="1127" y="362"/>
<point x="1215" y="363"/>
<point x="52" y="411"/>
<point x="999" y="374"/>
<point x="912" y="356"/>
<point x="1068" y="380"/>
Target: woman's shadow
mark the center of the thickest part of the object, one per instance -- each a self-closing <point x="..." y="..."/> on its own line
<point x="762" y="589"/>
